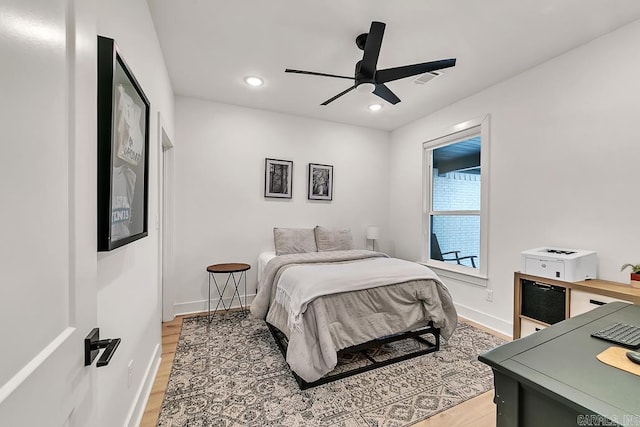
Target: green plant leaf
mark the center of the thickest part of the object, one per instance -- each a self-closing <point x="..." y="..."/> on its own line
<point x="635" y="268"/>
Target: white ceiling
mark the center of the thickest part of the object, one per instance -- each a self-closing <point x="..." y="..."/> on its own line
<point x="210" y="45"/>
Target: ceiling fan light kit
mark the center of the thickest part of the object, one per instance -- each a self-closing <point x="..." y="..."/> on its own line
<point x="366" y="87"/>
<point x="367" y="78"/>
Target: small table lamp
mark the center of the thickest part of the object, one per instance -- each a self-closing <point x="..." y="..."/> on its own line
<point x="373" y="233"/>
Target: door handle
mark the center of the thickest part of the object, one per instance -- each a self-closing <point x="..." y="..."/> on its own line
<point x="93" y="344"/>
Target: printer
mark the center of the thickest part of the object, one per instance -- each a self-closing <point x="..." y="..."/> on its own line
<point x="570" y="265"/>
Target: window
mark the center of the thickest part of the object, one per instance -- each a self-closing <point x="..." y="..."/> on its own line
<point x="455" y="199"/>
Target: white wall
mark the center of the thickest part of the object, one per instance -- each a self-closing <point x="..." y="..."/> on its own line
<point x="128" y="305"/>
<point x="563" y="167"/>
<point x="221" y="214"/>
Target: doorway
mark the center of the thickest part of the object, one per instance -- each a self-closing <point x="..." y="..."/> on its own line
<point x="165" y="223"/>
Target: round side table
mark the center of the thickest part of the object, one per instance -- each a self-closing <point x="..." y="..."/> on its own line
<point x="231" y="269"/>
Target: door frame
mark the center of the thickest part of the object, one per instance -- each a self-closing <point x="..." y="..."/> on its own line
<point x="164" y="223"/>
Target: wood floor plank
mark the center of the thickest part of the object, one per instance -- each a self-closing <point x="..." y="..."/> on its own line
<point x="477" y="412"/>
<point x="170" y="334"/>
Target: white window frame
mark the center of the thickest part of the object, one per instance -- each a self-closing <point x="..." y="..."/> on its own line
<point x="457" y="133"/>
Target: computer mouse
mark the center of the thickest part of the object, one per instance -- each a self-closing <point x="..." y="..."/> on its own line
<point x="634" y="356"/>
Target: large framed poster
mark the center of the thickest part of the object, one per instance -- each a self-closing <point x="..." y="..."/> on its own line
<point x="123" y="151"/>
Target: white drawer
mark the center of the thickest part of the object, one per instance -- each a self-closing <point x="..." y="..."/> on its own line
<point x="581" y="302"/>
<point x="527" y="327"/>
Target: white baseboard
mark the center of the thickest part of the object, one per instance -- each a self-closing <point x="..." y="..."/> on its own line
<point x="486" y="320"/>
<point x="182" y="308"/>
<point x="134" y="418"/>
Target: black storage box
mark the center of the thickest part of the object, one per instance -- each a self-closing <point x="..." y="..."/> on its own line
<point x="542" y="302"/>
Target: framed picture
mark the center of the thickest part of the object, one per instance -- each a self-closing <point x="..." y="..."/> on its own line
<point x="320" y="182"/>
<point x="278" y="177"/>
<point x="123" y="151"/>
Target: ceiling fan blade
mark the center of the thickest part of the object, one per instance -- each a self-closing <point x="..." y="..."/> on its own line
<point x="288" y="70"/>
<point x="385" y="93"/>
<point x="338" y="95"/>
<point x="391" y="74"/>
<point x="372" y="48"/>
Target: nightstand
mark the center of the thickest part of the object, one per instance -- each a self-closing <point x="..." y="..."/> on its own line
<point x="230" y="269"/>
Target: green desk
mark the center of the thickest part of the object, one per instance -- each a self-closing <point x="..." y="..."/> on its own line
<point x="552" y="378"/>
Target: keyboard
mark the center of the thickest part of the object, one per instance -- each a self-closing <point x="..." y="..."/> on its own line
<point x="621" y="334"/>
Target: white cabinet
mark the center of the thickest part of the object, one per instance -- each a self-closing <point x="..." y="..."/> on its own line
<point x="581" y="302"/>
<point x="528" y="327"/>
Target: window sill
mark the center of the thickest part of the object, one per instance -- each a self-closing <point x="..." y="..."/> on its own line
<point x="461" y="274"/>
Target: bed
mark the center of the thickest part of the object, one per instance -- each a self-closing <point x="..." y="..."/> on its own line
<point x="324" y="301"/>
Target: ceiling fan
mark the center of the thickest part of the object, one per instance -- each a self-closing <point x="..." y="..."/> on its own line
<point x="369" y="79"/>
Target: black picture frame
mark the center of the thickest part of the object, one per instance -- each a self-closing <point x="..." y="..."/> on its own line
<point x="123" y="151"/>
<point x="320" y="184"/>
<point x="278" y="178"/>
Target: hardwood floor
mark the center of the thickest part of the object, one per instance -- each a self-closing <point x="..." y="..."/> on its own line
<point x="477" y="412"/>
<point x="170" y="335"/>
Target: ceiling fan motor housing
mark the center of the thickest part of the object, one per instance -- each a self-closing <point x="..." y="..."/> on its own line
<point x="361" y="40"/>
<point x="362" y="77"/>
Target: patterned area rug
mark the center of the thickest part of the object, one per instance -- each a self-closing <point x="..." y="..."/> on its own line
<point x="231" y="373"/>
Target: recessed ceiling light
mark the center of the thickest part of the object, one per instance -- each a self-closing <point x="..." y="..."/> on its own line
<point x="253" y="81"/>
<point x="375" y="107"/>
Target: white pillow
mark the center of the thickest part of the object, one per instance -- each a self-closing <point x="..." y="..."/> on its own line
<point x="333" y="239"/>
<point x="294" y="240"/>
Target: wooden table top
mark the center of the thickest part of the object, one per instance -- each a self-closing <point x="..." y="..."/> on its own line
<point x="232" y="267"/>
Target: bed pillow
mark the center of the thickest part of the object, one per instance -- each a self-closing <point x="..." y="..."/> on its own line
<point x="294" y="240"/>
<point x="333" y="239"/>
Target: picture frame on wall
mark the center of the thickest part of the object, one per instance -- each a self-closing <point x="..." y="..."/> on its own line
<point x="320" y="186"/>
<point x="278" y="178"/>
<point x="123" y="151"/>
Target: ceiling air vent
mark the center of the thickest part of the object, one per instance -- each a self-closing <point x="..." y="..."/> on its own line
<point x="426" y="77"/>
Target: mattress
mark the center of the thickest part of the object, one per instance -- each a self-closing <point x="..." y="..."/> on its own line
<point x="263" y="259"/>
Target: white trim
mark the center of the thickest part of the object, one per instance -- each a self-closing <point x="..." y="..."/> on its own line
<point x="457" y="272"/>
<point x="486" y="320"/>
<point x="469" y="212"/>
<point x="167" y="196"/>
<point x="192" y="307"/>
<point x="485" y="152"/>
<point x="12" y="385"/>
<point x="455" y="135"/>
<point x="160" y="217"/>
<point x="144" y="391"/>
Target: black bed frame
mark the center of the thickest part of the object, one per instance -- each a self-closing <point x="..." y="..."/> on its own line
<point x="282" y="342"/>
